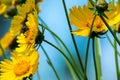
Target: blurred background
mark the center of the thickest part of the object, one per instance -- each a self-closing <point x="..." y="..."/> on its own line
<point x="52" y="12"/>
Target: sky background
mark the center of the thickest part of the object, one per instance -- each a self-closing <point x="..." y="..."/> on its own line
<point x="52" y="12"/>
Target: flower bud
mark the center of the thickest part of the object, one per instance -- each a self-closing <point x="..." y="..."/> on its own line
<point x="12" y="11"/>
<point x="101" y="5"/>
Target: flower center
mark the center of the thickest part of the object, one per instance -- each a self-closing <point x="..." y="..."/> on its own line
<point x="21" y="68"/>
<point x="97" y="26"/>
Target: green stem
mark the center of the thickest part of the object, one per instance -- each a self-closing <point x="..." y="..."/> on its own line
<point x="73" y="39"/>
<point x="50" y="63"/>
<point x="98" y="58"/>
<point x="38" y="75"/>
<point x="119" y="36"/>
<point x="65" y="57"/>
<point x="86" y="57"/>
<point x="109" y="40"/>
<point x="94" y="59"/>
<point x="111" y="43"/>
<point x="3" y="52"/>
<point x="110" y="29"/>
<point x="119" y="3"/>
<point x="113" y="2"/>
<point x="65" y="47"/>
<point x="116" y="59"/>
<point x="56" y="40"/>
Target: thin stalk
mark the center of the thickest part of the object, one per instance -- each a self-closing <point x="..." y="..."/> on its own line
<point x="38" y="75"/>
<point x="64" y="46"/>
<point x="73" y="39"/>
<point x="65" y="57"/>
<point x="119" y="3"/>
<point x="56" y="40"/>
<point x="94" y="59"/>
<point x="113" y="2"/>
<point x="119" y="36"/>
<point x="109" y="40"/>
<point x="48" y="28"/>
<point x="3" y="52"/>
<point x="110" y="29"/>
<point x="111" y="43"/>
<point x="88" y="43"/>
<point x="116" y="60"/>
<point x="98" y="58"/>
<point x="50" y="63"/>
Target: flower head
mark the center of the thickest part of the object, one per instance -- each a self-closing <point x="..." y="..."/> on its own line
<point x="19" y="67"/>
<point x="27" y="16"/>
<point x="82" y="19"/>
<point x="26" y="39"/>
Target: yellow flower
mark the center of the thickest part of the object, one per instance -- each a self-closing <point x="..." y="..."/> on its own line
<point x="26" y="39"/>
<point x="19" y="21"/>
<point x="19" y="67"/>
<point x="16" y="24"/>
<point x="114" y="19"/>
<point x="27" y="7"/>
<point x="6" y="41"/>
<point x="32" y="24"/>
<point x="3" y="8"/>
<point x="115" y="22"/>
<point x="82" y="19"/>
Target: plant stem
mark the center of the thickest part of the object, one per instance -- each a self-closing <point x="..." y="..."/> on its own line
<point x="73" y="39"/>
<point x="110" y="29"/>
<point x="116" y="59"/>
<point x="87" y="49"/>
<point x="50" y="63"/>
<point x="94" y="59"/>
<point x="64" y="46"/>
<point x="38" y="75"/>
<point x="3" y="52"/>
<point x="48" y="28"/>
<point x="56" y="40"/>
<point x="113" y="2"/>
<point x="111" y="43"/>
<point x="109" y="40"/>
<point x="98" y="58"/>
<point x="65" y="57"/>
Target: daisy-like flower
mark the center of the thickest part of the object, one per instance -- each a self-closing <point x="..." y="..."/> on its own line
<point x="26" y="39"/>
<point x="27" y="7"/>
<point x="32" y="25"/>
<point x="19" y="67"/>
<point x="19" y="21"/>
<point x="82" y="19"/>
